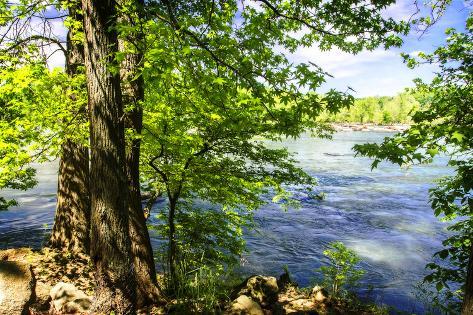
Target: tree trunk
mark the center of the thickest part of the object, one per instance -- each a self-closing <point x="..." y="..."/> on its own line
<point x="110" y="241"/>
<point x="133" y="96"/>
<point x="72" y="221"/>
<point x="467" y="308"/>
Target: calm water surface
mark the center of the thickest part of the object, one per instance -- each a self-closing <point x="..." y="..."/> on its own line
<point x="383" y="215"/>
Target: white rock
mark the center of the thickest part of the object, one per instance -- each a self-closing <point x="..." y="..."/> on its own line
<point x="244" y="305"/>
<point x="261" y="289"/>
<point x="319" y="294"/>
<point x="66" y="298"/>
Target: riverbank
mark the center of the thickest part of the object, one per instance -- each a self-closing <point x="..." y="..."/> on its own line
<point x="48" y="282"/>
<point x="369" y="127"/>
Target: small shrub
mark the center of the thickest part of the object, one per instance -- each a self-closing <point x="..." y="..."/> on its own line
<point x="199" y="290"/>
<point x="342" y="273"/>
<point x="209" y="245"/>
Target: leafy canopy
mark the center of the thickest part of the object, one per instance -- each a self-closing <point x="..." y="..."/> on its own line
<point x="39" y="109"/>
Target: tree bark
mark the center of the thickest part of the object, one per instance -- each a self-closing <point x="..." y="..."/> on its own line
<point x="72" y="220"/>
<point x="467" y="308"/>
<point x="110" y="241"/>
<point x="133" y="96"/>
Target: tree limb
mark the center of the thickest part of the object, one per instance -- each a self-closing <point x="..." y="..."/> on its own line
<point x="35" y="38"/>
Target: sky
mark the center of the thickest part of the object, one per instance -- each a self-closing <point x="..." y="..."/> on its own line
<point x="382" y="72"/>
<point x="370" y="73"/>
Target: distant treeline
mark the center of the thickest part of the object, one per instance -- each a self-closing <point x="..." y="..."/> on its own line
<point x="378" y="110"/>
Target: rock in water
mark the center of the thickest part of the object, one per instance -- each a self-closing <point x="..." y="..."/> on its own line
<point x="243" y="305"/>
<point x="66" y="298"/>
<point x="17" y="287"/>
<point x="261" y="289"/>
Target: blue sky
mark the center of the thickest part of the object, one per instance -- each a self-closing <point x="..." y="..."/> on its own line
<point x="369" y="73"/>
<point x="382" y="72"/>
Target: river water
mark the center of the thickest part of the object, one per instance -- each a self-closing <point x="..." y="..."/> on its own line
<point x="383" y="215"/>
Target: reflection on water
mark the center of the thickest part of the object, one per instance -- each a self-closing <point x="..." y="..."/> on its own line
<point x="383" y="215"/>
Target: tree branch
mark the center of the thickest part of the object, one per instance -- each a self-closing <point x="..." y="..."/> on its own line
<point x="35" y="38"/>
<point x="295" y="18"/>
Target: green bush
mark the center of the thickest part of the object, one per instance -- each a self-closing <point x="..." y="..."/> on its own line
<point x="342" y="273"/>
<point x="199" y="290"/>
<point x="209" y="244"/>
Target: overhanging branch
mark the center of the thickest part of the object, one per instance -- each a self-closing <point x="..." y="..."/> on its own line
<point x="35" y="38"/>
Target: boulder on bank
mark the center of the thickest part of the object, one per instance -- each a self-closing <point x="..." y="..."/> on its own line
<point x="17" y="287"/>
<point x="243" y="305"/>
<point x="45" y="268"/>
<point x="42" y="299"/>
<point x="294" y="301"/>
<point x="261" y="289"/>
<point x="66" y="298"/>
<point x="319" y="294"/>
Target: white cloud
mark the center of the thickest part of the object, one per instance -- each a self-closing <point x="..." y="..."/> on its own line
<point x="252" y="4"/>
<point x="51" y="28"/>
<point x="341" y="64"/>
<point x="58" y="29"/>
<point x="378" y="72"/>
<point x="415" y="53"/>
<point x="54" y="29"/>
<point x="400" y="10"/>
<point x="55" y="58"/>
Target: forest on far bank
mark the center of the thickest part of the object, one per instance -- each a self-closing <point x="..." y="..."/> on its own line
<point x="381" y="110"/>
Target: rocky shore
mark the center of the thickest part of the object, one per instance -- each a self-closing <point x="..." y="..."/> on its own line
<point x="369" y="127"/>
<point x="49" y="282"/>
<point x="44" y="282"/>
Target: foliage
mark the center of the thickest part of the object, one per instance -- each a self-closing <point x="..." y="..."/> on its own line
<point x="205" y="237"/>
<point x="342" y="272"/>
<point x="452" y="200"/>
<point x="209" y="246"/>
<point x="213" y="236"/>
<point x="39" y="109"/>
<point x="444" y="125"/>
<point x="201" y="290"/>
<point x="434" y="301"/>
<point x="217" y="77"/>
<point x="378" y="110"/>
<point x="215" y="83"/>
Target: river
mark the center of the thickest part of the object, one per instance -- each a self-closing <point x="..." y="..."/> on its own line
<point x="383" y="215"/>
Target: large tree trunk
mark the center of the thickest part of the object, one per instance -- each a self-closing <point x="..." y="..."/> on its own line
<point x="467" y="308"/>
<point x="110" y="241"/>
<point x="72" y="221"/>
<point x="147" y="289"/>
<point x="133" y="96"/>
